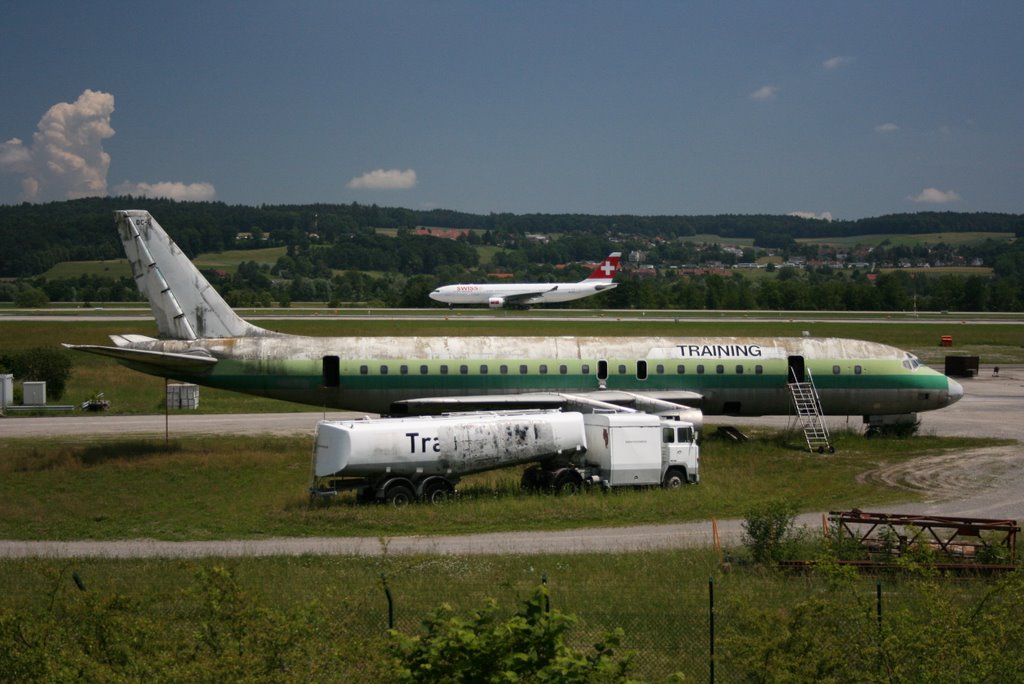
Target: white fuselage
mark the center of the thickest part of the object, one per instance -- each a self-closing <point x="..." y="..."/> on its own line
<point x="523" y="293"/>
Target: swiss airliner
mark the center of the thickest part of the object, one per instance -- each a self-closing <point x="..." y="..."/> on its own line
<point x="524" y="295"/>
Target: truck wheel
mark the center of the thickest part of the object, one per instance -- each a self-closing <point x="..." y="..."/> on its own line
<point x="674" y="479"/>
<point x="567" y="482"/>
<point x="399" y="495"/>
<point x="438" y="491"/>
<point x="533" y="479"/>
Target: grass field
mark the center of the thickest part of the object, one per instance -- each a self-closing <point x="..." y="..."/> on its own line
<point x="110" y="268"/>
<point x="211" y="488"/>
<point x="115" y="268"/>
<point x="229" y="260"/>
<point x="204" y="487"/>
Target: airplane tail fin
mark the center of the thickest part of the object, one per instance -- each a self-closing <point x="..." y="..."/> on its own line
<point x="185" y="305"/>
<point x="607" y="269"/>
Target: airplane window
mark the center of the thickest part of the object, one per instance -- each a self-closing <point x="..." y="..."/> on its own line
<point x="363" y="370"/>
<point x="523" y="370"/>
<point x="602" y="370"/>
<point x="585" y="369"/>
<point x="444" y="369"/>
<point x="641" y="370"/>
<point x="543" y="369"/>
<point x="857" y="370"/>
<point x="383" y="370"/>
<point x="660" y="369"/>
<point x="424" y="370"/>
<point x="719" y="369"/>
<point x="483" y="369"/>
<point x="681" y="369"/>
<point x="563" y="369"/>
<point x="759" y="369"/>
<point x="403" y="369"/>
<point x="700" y="369"/>
<point x="622" y="369"/>
<point x="463" y="369"/>
<point x="503" y="369"/>
<point x="835" y="370"/>
<point x="739" y="370"/>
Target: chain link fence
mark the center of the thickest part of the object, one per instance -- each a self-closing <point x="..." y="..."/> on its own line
<point x="745" y="624"/>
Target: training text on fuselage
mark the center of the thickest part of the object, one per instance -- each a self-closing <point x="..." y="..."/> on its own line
<point x="727" y="351"/>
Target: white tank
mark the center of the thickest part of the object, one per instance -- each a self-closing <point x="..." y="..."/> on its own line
<point x="454" y="444"/>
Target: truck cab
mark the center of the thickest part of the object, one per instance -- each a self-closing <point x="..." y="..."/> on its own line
<point x="680" y="454"/>
<point x="639" y="449"/>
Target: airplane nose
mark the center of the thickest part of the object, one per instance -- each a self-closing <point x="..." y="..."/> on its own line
<point x="955" y="391"/>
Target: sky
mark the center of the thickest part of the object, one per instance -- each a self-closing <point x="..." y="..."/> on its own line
<point x="826" y="109"/>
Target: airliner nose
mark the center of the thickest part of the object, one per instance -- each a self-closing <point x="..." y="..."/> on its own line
<point x="955" y="391"/>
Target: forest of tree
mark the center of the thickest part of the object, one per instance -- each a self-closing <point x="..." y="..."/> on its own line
<point x="331" y="248"/>
<point x="37" y="236"/>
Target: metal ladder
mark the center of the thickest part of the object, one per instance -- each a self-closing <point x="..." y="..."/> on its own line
<point x="808" y="411"/>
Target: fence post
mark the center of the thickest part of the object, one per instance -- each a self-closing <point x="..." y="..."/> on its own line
<point x="878" y="603"/>
<point x="878" y="611"/>
<point x="391" y="603"/>
<point x="711" y="629"/>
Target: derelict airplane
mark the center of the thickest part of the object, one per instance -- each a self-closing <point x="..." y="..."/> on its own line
<point x="522" y="295"/>
<point x="205" y="342"/>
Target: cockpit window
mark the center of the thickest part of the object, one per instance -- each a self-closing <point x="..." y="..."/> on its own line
<point x="911" y="362"/>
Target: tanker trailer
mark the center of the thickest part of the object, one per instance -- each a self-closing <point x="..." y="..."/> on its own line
<point x="399" y="460"/>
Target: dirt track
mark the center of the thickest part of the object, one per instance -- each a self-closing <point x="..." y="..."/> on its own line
<point x="983" y="483"/>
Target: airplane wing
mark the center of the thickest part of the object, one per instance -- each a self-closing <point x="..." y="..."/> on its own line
<point x="650" y="402"/>
<point x="193" y="362"/>
<point x="521" y="297"/>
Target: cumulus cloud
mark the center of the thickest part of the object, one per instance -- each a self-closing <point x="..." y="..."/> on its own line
<point x="822" y="216"/>
<point x="836" y="62"/>
<point x="935" y="196"/>
<point x="392" y="179"/>
<point x="888" y="127"/>
<point x="65" y="159"/>
<point x="183" y="192"/>
<point x="767" y="92"/>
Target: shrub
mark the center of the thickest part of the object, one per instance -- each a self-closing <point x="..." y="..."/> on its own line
<point x="47" y="364"/>
<point x="530" y="646"/>
<point x="768" y="530"/>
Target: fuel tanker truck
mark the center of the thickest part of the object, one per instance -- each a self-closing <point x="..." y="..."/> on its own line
<point x="400" y="460"/>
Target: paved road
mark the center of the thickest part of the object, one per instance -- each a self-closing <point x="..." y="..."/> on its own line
<point x="989" y="483"/>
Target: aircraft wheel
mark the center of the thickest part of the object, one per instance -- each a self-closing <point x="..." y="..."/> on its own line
<point x="438" y="491"/>
<point x="674" y="479"/>
<point x="399" y="495"/>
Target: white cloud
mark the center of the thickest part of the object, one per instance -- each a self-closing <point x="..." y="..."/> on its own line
<point x="767" y="92"/>
<point x="887" y="127"/>
<point x="822" y="216"/>
<point x="836" y="62"/>
<point x="935" y="196"/>
<point x="392" y="179"/>
<point x="66" y="158"/>
<point x="183" y="192"/>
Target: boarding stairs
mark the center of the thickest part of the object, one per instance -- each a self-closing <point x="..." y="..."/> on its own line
<point x="808" y="411"/>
